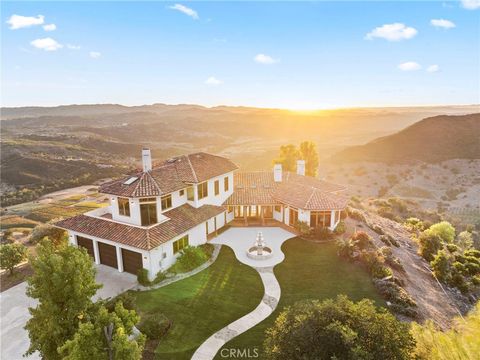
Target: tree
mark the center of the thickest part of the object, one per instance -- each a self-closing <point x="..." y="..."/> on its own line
<point x="460" y="342"/>
<point x="55" y="235"/>
<point x="11" y="255"/>
<point x="308" y="152"/>
<point x="337" y="329"/>
<point x="107" y="335"/>
<point x="288" y="157"/>
<point x="64" y="283"/>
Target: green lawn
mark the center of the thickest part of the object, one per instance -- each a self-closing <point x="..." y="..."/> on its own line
<point x="202" y="304"/>
<point x="310" y="271"/>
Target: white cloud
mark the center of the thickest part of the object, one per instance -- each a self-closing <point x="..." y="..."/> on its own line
<point x="18" y="21"/>
<point x="265" y="59"/>
<point x="73" y="47"/>
<point x="50" y="27"/>
<point x="409" y="66"/>
<point x="392" y="32"/>
<point x="442" y="23"/>
<point x="433" y="68"/>
<point x="471" y="4"/>
<point x="47" y="44"/>
<point x="213" y="81"/>
<point x="186" y="10"/>
<point x="95" y="54"/>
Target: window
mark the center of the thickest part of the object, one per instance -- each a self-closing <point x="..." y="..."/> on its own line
<point x="190" y="195"/>
<point x="278" y="208"/>
<point x="124" y="206"/>
<point x="225" y="183"/>
<point x="202" y="190"/>
<point x="148" y="211"/>
<point x="180" y="244"/>
<point x="182" y="192"/>
<point x="217" y="187"/>
<point x="166" y="202"/>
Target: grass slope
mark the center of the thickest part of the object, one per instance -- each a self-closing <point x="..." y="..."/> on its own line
<point x="202" y="304"/>
<point x="310" y="271"/>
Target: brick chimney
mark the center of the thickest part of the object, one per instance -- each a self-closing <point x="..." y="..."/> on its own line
<point x="147" y="159"/>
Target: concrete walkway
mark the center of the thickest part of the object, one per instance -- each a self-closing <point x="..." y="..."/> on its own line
<point x="214" y="343"/>
<point x="241" y="238"/>
<point x="14" y="304"/>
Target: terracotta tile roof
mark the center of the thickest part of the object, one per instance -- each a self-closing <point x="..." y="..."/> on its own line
<point x="259" y="188"/>
<point x="182" y="219"/>
<point x="171" y="175"/>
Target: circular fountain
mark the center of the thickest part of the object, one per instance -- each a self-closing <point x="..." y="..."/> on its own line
<point x="259" y="251"/>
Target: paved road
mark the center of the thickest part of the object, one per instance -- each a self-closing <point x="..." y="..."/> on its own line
<point x="14" y="304"/>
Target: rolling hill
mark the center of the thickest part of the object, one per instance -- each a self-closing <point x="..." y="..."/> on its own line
<point x="433" y="139"/>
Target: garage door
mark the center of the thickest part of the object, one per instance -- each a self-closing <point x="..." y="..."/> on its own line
<point x="108" y="254"/>
<point x="132" y="261"/>
<point x="87" y="244"/>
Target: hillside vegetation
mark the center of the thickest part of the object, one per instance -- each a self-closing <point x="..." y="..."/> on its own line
<point x="433" y="139"/>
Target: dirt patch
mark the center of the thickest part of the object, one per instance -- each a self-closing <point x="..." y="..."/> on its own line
<point x="432" y="302"/>
<point x="20" y="274"/>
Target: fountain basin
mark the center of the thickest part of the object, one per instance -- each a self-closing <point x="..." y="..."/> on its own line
<point x="254" y="253"/>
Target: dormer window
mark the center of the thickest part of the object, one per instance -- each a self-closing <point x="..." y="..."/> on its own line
<point x="225" y="184"/>
<point x="217" y="187"/>
<point x="202" y="190"/>
<point x="166" y="202"/>
<point x="124" y="206"/>
<point x="190" y="193"/>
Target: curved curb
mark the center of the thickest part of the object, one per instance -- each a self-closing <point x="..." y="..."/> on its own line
<point x="179" y="277"/>
<point x="271" y="297"/>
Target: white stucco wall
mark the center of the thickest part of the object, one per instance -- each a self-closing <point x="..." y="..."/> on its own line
<point x="213" y="199"/>
<point x="277" y="215"/>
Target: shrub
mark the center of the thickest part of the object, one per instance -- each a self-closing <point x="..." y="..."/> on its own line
<point x="159" y="277"/>
<point x="11" y="255"/>
<point x="414" y="224"/>
<point x="402" y="301"/>
<point x="142" y="277"/>
<point x="452" y="248"/>
<point x="476" y="280"/>
<point x="385" y="240"/>
<point x="362" y="239"/>
<point x="302" y="227"/>
<point x="154" y="326"/>
<point x="444" y="230"/>
<point x="127" y="299"/>
<point x="429" y="245"/>
<point x="355" y="214"/>
<point x="472" y="252"/>
<point x="441" y="265"/>
<point x="323" y="233"/>
<point x="393" y="241"/>
<point x="341" y="228"/>
<point x="190" y="258"/>
<point x="375" y="264"/>
<point x="378" y="229"/>
<point x="345" y="247"/>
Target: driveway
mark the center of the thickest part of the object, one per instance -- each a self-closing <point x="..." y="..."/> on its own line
<point x="14" y="304"/>
<point x="242" y="238"/>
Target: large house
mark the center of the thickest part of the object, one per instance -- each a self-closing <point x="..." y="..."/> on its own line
<point x="156" y="212"/>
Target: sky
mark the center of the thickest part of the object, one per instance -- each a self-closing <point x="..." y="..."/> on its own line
<point x="295" y="55"/>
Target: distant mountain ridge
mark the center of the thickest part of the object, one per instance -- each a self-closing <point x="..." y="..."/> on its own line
<point x="432" y="139"/>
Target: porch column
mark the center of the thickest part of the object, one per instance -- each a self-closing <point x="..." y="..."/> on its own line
<point x="96" y="253"/>
<point x="332" y="220"/>
<point x="119" y="258"/>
